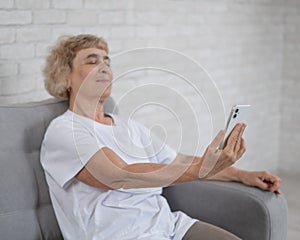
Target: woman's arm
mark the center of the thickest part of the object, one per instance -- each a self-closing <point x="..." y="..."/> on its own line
<point x="261" y="179"/>
<point x="228" y="175"/>
<point x="108" y="171"/>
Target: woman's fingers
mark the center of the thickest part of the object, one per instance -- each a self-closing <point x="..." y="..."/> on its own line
<point x="238" y="145"/>
<point x="233" y="137"/>
<point x="262" y="179"/>
<point x="242" y="149"/>
<point x="261" y="184"/>
<point x="273" y="182"/>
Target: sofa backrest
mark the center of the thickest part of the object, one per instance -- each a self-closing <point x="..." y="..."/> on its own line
<point x="25" y="208"/>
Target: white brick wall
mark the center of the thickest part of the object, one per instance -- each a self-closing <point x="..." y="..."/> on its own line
<point x="51" y="16"/>
<point x="290" y="102"/>
<point x="15" y="17"/>
<point x="32" y="4"/>
<point x="7" y="35"/>
<point x="6" y="4"/>
<point x="35" y="34"/>
<point x="17" y="51"/>
<point x="249" y="47"/>
<point x="67" y="4"/>
<point x="8" y="69"/>
<point x="82" y="18"/>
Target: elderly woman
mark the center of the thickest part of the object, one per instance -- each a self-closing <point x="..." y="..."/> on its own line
<point x="105" y="174"/>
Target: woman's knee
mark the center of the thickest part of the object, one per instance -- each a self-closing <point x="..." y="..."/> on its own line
<point x="201" y="230"/>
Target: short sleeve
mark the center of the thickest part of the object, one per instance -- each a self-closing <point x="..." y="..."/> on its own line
<point x="156" y="149"/>
<point x="66" y="149"/>
<point x="164" y="153"/>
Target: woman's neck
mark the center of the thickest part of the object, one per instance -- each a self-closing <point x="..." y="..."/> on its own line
<point x="92" y="110"/>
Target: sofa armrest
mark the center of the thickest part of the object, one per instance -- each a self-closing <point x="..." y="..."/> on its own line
<point x="248" y="212"/>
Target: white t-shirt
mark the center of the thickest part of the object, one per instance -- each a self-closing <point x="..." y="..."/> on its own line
<point x="86" y="212"/>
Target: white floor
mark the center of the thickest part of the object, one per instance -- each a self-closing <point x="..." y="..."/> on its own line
<point x="291" y="188"/>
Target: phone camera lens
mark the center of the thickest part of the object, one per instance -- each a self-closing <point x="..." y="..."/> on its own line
<point x="235" y="115"/>
<point x="237" y="110"/>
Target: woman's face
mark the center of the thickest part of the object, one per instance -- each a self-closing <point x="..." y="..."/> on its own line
<point x="91" y="75"/>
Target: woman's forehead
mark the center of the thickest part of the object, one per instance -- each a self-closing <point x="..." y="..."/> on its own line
<point x="87" y="51"/>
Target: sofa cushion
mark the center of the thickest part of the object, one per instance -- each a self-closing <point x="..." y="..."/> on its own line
<point x="25" y="207"/>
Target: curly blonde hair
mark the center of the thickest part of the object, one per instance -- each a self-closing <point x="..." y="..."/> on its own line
<point x="59" y="61"/>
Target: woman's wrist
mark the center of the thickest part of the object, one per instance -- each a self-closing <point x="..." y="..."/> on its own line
<point x="234" y="174"/>
<point x="229" y="174"/>
<point x="240" y="175"/>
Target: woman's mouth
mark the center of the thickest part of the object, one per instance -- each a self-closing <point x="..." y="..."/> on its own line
<point x="103" y="81"/>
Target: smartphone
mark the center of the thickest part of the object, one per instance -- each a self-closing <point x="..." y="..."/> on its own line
<point x="238" y="114"/>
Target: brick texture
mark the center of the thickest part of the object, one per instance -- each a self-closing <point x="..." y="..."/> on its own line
<point x="290" y="102"/>
<point x="249" y="48"/>
<point x="15" y="17"/>
<point x="32" y="4"/>
<point x="7" y="35"/>
<point x="51" y="16"/>
<point x="7" y="4"/>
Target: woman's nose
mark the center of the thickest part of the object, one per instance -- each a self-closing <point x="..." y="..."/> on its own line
<point x="102" y="68"/>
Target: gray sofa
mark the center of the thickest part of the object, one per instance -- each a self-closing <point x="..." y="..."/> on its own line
<point x="25" y="207"/>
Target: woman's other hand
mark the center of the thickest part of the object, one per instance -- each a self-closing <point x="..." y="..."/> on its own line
<point x="261" y="179"/>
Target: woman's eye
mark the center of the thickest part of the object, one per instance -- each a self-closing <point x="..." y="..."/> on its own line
<point x="92" y="62"/>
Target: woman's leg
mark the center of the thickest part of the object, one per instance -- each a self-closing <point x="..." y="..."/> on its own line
<point x="201" y="230"/>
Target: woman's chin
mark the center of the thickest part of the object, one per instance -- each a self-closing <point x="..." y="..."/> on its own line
<point x="104" y="95"/>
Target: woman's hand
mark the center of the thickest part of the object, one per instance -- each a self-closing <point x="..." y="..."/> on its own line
<point x="263" y="180"/>
<point x="215" y="160"/>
